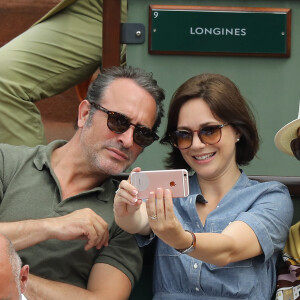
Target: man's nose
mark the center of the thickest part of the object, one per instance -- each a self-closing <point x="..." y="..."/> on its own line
<point x="126" y="137"/>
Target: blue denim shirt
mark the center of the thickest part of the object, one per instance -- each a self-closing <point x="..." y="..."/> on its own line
<point x="266" y="207"/>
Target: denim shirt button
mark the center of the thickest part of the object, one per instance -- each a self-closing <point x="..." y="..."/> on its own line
<point x="195" y="266"/>
<point x="197" y="289"/>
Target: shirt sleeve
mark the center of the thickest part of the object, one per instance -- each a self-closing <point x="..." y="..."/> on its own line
<point x="123" y="253"/>
<point x="270" y="217"/>
<point x="1" y="175"/>
<point x="143" y="240"/>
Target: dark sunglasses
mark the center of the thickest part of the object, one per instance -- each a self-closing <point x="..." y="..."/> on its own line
<point x="119" y="123"/>
<point x="208" y="135"/>
<point x="295" y="146"/>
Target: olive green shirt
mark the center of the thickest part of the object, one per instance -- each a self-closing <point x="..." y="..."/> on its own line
<point x="29" y="189"/>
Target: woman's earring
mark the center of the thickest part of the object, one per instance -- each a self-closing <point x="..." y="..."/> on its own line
<point x="237" y="140"/>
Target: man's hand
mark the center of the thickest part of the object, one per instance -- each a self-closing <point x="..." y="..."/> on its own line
<point x="82" y="224"/>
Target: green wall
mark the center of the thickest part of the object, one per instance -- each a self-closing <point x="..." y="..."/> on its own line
<point x="271" y="85"/>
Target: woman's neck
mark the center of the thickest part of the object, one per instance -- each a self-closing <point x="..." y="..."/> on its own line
<point x="214" y="189"/>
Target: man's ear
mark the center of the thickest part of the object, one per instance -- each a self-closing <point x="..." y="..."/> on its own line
<point x="83" y="113"/>
<point x="24" y="274"/>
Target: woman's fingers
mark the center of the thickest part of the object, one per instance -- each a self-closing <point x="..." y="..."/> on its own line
<point x="168" y="205"/>
<point x="151" y="207"/>
<point x="160" y="206"/>
<point x="126" y="193"/>
<point x="137" y="169"/>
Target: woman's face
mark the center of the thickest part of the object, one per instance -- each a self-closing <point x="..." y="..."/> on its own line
<point x="208" y="161"/>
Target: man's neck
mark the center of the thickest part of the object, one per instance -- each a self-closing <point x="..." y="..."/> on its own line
<point x="73" y="172"/>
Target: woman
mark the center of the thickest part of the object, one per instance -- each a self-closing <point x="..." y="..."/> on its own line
<point x="225" y="245"/>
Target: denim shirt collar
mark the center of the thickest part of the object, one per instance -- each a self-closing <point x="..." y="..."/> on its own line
<point x="195" y="190"/>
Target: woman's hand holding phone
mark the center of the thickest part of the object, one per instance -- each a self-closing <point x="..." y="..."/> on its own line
<point x="126" y="202"/>
<point x="163" y="221"/>
<point x="156" y="214"/>
<point x="130" y="212"/>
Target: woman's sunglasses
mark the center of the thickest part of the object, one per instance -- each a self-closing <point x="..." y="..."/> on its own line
<point x="295" y="146"/>
<point x="209" y="135"/>
<point x="119" y="123"/>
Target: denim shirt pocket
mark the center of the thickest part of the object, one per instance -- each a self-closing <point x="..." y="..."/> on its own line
<point x="217" y="226"/>
<point x="175" y="272"/>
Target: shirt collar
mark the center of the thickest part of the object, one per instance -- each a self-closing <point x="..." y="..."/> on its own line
<point x="43" y="158"/>
<point x="43" y="155"/>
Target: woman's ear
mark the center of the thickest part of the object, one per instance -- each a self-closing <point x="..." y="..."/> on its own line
<point x="83" y="113"/>
<point x="238" y="136"/>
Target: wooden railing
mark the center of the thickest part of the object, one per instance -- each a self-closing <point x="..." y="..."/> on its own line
<point x="111" y="33"/>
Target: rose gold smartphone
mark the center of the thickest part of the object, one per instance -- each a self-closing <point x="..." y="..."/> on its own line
<point x="175" y="180"/>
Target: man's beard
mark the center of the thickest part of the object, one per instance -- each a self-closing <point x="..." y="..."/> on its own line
<point x="108" y="166"/>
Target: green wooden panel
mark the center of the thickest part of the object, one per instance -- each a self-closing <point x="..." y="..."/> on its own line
<point x="187" y="30"/>
<point x="271" y="85"/>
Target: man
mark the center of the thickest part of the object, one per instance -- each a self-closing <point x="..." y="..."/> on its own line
<point x="63" y="49"/>
<point x="13" y="277"/>
<point x="56" y="201"/>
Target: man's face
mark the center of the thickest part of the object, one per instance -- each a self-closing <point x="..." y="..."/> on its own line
<point x="109" y="152"/>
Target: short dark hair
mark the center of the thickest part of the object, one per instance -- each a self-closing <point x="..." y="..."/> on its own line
<point x="14" y="260"/>
<point x="226" y="103"/>
<point x="140" y="77"/>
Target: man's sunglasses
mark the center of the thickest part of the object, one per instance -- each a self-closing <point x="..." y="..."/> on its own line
<point x="295" y="146"/>
<point x="209" y="135"/>
<point x="119" y="123"/>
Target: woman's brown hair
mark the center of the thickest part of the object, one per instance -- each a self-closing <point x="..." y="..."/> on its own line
<point x="226" y="103"/>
